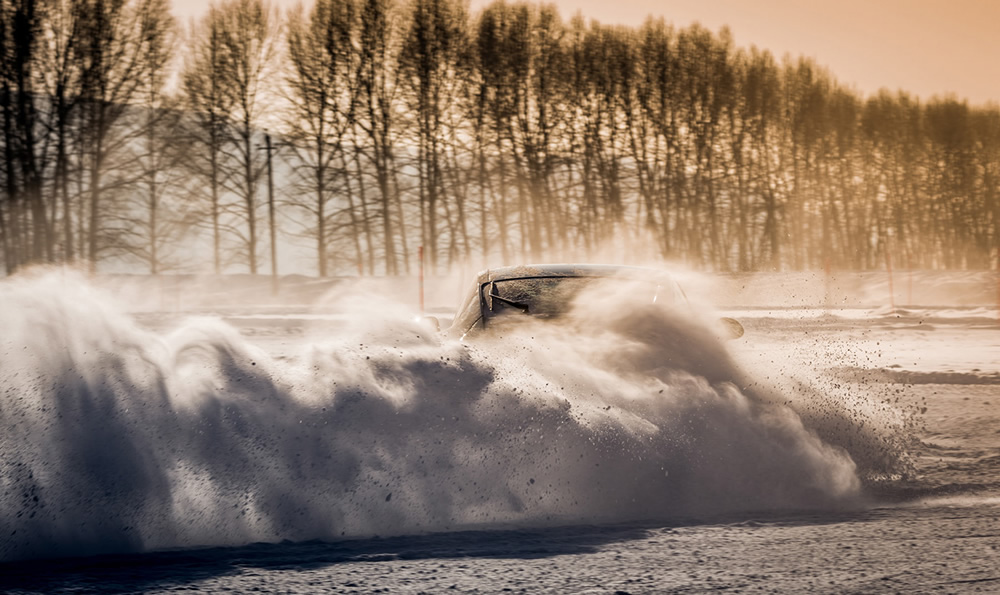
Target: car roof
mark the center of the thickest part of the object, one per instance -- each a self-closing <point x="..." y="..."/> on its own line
<point x="570" y="270"/>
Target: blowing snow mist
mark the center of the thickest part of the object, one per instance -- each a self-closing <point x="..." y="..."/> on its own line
<point x="119" y="439"/>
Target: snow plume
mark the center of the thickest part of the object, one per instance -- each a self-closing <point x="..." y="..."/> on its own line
<point x="118" y="439"/>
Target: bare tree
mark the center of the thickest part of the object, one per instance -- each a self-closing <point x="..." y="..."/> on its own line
<point x="376" y="116"/>
<point x="322" y="95"/>
<point x="62" y="74"/>
<point x="20" y="37"/>
<point x="160" y="150"/>
<point x="114" y="69"/>
<point x="249" y="35"/>
<point x="429" y="61"/>
<point x="210" y="104"/>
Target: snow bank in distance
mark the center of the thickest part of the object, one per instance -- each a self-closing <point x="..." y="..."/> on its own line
<point x="846" y="289"/>
<point x="867" y="290"/>
<point x="118" y="439"/>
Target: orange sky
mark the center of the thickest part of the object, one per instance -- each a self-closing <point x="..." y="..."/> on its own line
<point x="927" y="47"/>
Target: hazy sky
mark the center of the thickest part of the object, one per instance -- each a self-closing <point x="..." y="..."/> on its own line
<point x="927" y="47"/>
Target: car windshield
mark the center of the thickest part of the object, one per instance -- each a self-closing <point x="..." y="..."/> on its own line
<point x="548" y="297"/>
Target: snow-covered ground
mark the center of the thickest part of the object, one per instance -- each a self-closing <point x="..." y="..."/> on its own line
<point x="831" y="449"/>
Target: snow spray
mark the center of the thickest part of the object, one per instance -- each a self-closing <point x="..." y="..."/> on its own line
<point x="115" y="438"/>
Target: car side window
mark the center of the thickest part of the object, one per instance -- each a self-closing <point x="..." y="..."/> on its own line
<point x="468" y="314"/>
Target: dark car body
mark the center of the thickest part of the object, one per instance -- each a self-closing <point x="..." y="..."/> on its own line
<point x="547" y="291"/>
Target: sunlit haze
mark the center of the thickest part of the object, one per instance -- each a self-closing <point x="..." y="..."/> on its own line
<point x="926" y="47"/>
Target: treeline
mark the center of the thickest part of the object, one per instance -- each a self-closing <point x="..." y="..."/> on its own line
<point x="509" y="135"/>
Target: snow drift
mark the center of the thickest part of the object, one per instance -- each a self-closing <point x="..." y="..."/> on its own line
<point x="118" y="439"/>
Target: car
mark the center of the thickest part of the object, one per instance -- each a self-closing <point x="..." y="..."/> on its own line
<point x="503" y="295"/>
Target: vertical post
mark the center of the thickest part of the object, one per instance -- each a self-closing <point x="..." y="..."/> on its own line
<point x="420" y="256"/>
<point x="270" y="216"/>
